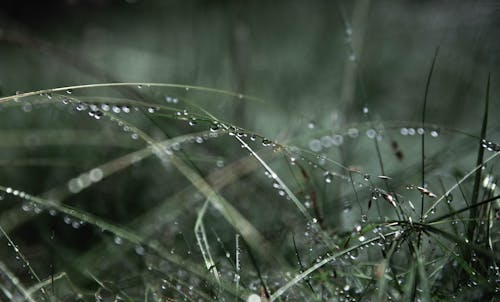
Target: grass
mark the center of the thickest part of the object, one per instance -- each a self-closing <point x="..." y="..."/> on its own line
<point x="132" y="191"/>
<point x="224" y="213"/>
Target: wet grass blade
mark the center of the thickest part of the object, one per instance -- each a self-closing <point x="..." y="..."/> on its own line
<point x="424" y="108"/>
<point x="382" y="282"/>
<point x="472" y="224"/>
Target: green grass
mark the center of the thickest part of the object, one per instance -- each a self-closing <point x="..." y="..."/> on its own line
<point x="174" y="201"/>
<point x="322" y="177"/>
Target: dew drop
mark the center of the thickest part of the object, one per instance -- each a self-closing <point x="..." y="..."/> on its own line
<point x="328" y="176"/>
<point x="347" y="206"/>
<point x="27" y="107"/>
<point x="353" y="132"/>
<point x="371" y="133"/>
<point x="126" y="109"/>
<point x="219" y="163"/>
<point x="118" y="240"/>
<point x="96" y="175"/>
<point x="266" y="142"/>
<point x="337" y="139"/>
<point x="254" y="298"/>
<point x="449" y="197"/>
<point x="315" y="145"/>
<point x="326" y="141"/>
<point x="81" y="107"/>
<point x="214" y="127"/>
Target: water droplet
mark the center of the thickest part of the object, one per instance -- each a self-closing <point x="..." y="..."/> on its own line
<point x="97" y="114"/>
<point x="403" y="131"/>
<point x="214" y="127"/>
<point x="69" y="91"/>
<point x="337" y="139"/>
<point x="347" y="206"/>
<point x="266" y="142"/>
<point x="328" y="176"/>
<point x="219" y="163"/>
<point x="118" y="240"/>
<point x="315" y="145"/>
<point x="27" y="107"/>
<point x="411" y="131"/>
<point x="353" y="132"/>
<point x="371" y="133"/>
<point x="254" y="298"/>
<point x="67" y="220"/>
<point x="365" y="110"/>
<point x="311" y="125"/>
<point x="81" y="107"/>
<point x="434" y="133"/>
<point x="449" y="197"/>
<point x="326" y="141"/>
<point x="96" y="174"/>
<point x="151" y="110"/>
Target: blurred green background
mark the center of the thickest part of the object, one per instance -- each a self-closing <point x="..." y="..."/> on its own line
<point x="295" y="54"/>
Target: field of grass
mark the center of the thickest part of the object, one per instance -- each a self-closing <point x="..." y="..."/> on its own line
<point x="249" y="151"/>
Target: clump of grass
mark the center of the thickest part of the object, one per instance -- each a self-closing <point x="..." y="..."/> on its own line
<point x="150" y="192"/>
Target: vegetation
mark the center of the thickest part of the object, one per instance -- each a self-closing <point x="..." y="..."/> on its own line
<point x="374" y="183"/>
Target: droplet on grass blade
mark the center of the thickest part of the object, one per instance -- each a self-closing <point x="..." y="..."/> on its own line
<point x="328" y="176"/>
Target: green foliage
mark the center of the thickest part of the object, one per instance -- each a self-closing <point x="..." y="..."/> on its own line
<point x="142" y="191"/>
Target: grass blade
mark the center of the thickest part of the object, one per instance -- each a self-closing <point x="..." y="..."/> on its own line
<point x="471" y="227"/>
